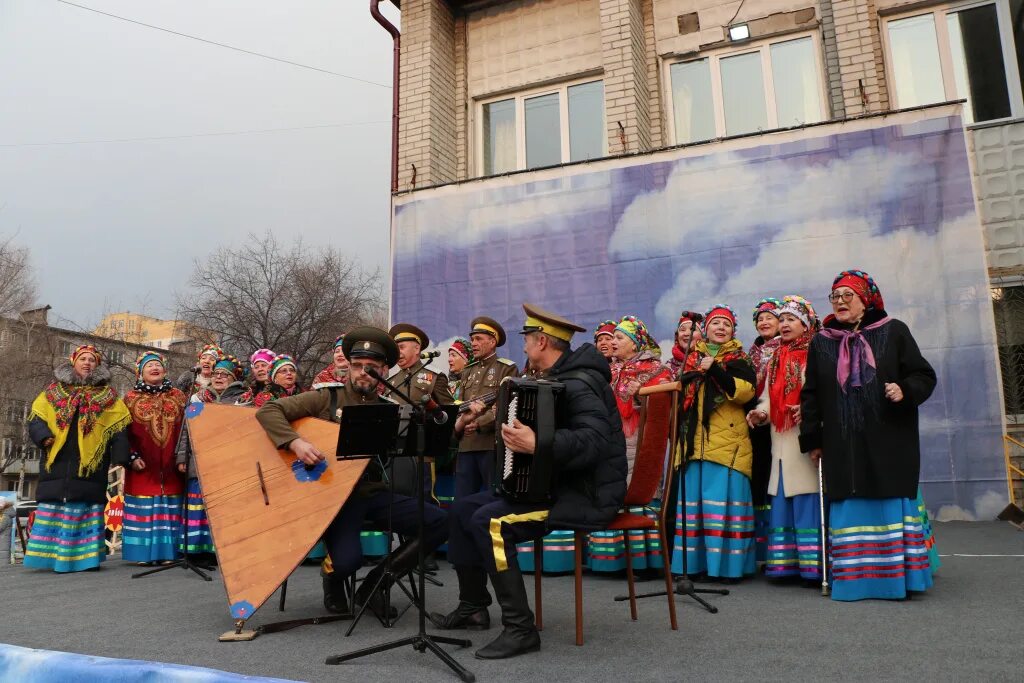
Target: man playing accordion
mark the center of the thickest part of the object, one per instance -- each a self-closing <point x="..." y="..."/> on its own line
<point x="589" y="486"/>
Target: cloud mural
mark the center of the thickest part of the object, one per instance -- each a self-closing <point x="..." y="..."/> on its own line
<point x="652" y="235"/>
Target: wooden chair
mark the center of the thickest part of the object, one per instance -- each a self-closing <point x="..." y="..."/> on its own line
<point x="651" y="471"/>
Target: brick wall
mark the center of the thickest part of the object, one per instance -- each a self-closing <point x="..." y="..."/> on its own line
<point x="626" y="85"/>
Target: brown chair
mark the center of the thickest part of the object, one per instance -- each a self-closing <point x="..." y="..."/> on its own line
<point x="650" y="478"/>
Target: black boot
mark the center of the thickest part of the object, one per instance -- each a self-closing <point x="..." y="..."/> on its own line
<point x="430" y="563"/>
<point x="403" y="560"/>
<point x="336" y="598"/>
<point x="471" y="614"/>
<point x="520" y="635"/>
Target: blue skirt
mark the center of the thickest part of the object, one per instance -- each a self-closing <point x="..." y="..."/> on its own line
<point x="198" y="536"/>
<point x="66" y="537"/>
<point x="559" y="553"/>
<point x="929" y="535"/>
<point x="794" y="536"/>
<point x="762" y="520"/>
<point x="877" y="549"/>
<point x="719" y="522"/>
<point x="152" y="528"/>
<point x="606" y="550"/>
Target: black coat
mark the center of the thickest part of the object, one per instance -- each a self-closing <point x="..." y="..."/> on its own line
<point x="589" y="447"/>
<point x="61" y="482"/>
<point x="870" y="446"/>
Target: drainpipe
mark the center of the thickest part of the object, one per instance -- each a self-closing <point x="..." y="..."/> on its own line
<point x="397" y="37"/>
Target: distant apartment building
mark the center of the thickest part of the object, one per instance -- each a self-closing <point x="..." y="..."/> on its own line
<point x="143" y="329"/>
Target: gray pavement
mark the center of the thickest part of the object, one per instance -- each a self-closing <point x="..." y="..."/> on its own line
<point x="968" y="627"/>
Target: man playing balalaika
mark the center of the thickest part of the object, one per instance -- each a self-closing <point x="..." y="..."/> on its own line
<point x="589" y="453"/>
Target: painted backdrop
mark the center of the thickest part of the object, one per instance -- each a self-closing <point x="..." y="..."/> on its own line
<point x="733" y="222"/>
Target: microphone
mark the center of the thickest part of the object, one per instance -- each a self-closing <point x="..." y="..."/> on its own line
<point x="431" y="407"/>
<point x="373" y="373"/>
<point x="429" y="355"/>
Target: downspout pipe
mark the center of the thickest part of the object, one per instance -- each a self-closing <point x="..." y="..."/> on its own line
<point x="396" y="36"/>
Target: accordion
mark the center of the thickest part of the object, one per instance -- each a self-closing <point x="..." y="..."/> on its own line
<point x="526" y="477"/>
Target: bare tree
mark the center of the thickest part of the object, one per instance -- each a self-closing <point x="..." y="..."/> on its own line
<point x="17" y="281"/>
<point x="290" y="298"/>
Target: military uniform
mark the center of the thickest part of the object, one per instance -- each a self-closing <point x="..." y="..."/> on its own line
<point x="371" y="502"/>
<point x="475" y="463"/>
<point x="419" y="381"/>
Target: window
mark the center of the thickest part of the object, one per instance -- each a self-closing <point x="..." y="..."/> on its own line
<point x="14" y="412"/>
<point x="774" y="85"/>
<point x="7" y="447"/>
<point x="115" y="357"/>
<point x="66" y="348"/>
<point x="959" y="52"/>
<point x="543" y="128"/>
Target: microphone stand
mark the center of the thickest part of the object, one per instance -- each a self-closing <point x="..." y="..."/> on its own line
<point x="185" y="563"/>
<point x="683" y="584"/>
<point x="422" y="641"/>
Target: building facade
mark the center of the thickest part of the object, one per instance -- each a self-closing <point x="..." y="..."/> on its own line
<point x="31" y="348"/>
<point x="138" y="328"/>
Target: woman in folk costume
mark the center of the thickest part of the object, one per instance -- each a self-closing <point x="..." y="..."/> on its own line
<point x="794" y="541"/>
<point x="460" y="354"/>
<point x="604" y="335"/>
<point x="225" y="387"/>
<point x="190" y="382"/>
<point x="718" y="383"/>
<point x="636" y="364"/>
<point x="78" y="422"/>
<point x="766" y="322"/>
<point x="283" y="378"/>
<point x="153" y="486"/>
<point x="865" y="379"/>
<point x="335" y="373"/>
<point x="259" y="377"/>
<point x="687" y="335"/>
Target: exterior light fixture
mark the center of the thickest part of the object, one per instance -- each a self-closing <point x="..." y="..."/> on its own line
<point x="739" y="32"/>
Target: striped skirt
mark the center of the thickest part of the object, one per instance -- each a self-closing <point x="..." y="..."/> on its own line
<point x="794" y="536"/>
<point x="559" y="555"/>
<point x="606" y="550"/>
<point x="719" y="517"/>
<point x="877" y="549"/>
<point x="762" y="521"/>
<point x="199" y="538"/>
<point x="152" y="528"/>
<point x="929" y="535"/>
<point x="66" y="537"/>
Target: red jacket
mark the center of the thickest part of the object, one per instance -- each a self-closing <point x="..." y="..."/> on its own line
<point x="153" y="434"/>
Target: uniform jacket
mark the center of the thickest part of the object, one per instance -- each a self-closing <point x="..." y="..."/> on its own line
<point x="417" y="382"/>
<point x="478" y="379"/>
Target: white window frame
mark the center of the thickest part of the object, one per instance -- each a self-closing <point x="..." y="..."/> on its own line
<point x="714" y="58"/>
<point x="1013" y="83"/>
<point x="520" y="97"/>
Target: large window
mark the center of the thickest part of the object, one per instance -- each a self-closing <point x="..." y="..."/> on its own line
<point x="543" y="128"/>
<point x="964" y="51"/>
<point x="777" y="84"/>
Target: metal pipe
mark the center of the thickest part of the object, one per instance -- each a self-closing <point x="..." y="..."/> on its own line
<point x="397" y="38"/>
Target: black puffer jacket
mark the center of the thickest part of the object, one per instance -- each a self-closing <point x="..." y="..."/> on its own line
<point x="589" y="447"/>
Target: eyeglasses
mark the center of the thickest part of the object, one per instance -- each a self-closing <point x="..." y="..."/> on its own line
<point x="845" y="297"/>
<point x="361" y="367"/>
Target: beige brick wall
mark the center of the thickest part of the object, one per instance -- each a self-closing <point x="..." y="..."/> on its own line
<point x="714" y="16"/>
<point x="626" y="85"/>
<point x="861" y="65"/>
<point x="998" y="153"/>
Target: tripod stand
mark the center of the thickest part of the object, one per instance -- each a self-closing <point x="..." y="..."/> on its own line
<point x="422" y="641"/>
<point x="184" y="562"/>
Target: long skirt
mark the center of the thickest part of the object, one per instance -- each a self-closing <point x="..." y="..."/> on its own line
<point x="762" y="523"/>
<point x="198" y="536"/>
<point x="719" y="516"/>
<point x="152" y="528"/>
<point x="794" y="536"/>
<point x="66" y="537"/>
<point x="877" y="549"/>
<point x="606" y="550"/>
<point x="559" y="555"/>
<point x="929" y="535"/>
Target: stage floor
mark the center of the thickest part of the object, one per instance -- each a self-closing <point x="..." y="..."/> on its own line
<point x="967" y="627"/>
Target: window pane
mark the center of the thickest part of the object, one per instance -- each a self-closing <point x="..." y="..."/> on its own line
<point x="915" y="61"/>
<point x="586" y="121"/>
<point x="978" y="62"/>
<point x="692" y="102"/>
<point x="543" y="131"/>
<point x="499" y="137"/>
<point x="743" y="94"/>
<point x="797" y="89"/>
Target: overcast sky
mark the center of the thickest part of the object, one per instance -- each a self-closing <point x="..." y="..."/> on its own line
<point x="116" y="225"/>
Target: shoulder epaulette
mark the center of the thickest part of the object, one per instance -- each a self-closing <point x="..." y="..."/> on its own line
<point x="470" y="365"/>
<point x="327" y="385"/>
<point x="506" y="361"/>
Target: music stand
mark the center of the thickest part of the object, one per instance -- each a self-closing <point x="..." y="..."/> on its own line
<point x="421" y="641"/>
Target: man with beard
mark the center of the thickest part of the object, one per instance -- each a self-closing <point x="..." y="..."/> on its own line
<point x="366" y="348"/>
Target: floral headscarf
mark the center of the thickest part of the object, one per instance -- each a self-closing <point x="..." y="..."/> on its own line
<point x="636" y="330"/>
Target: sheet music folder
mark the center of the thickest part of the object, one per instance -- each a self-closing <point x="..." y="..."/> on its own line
<point x="367" y="430"/>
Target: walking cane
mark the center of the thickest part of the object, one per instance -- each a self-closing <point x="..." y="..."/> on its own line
<point x="824" y="547"/>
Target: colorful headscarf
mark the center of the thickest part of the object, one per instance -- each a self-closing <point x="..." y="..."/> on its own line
<point x="86" y="348"/>
<point x="802" y="309"/>
<point x="463" y="348"/>
<point x="606" y="327"/>
<point x="769" y="304"/>
<point x="262" y="354"/>
<point x="719" y="311"/>
<point x="339" y="340"/>
<point x="147" y="356"/>
<point x="231" y="365"/>
<point x="280" y="361"/>
<point x="634" y="328"/>
<point x="212" y="350"/>
<point x="861" y="283"/>
<point x="692" y="316"/>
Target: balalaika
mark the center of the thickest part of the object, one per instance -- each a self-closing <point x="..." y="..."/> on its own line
<point x="526" y="477"/>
